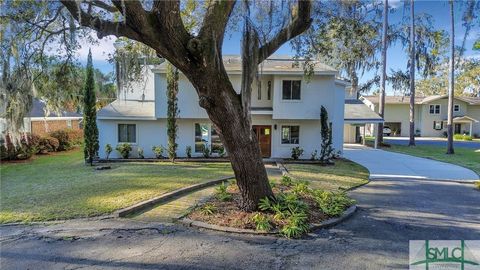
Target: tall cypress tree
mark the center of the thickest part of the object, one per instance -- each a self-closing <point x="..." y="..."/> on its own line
<point x="90" y="130"/>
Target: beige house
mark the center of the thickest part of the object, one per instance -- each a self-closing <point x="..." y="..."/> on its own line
<point x="430" y="115"/>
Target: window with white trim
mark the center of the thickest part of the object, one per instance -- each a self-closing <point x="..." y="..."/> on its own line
<point x="127" y="133"/>
<point x="435" y="109"/>
<point x="290" y="134"/>
<point x="291" y="90"/>
<point x="438" y="125"/>
<point x="456" y="108"/>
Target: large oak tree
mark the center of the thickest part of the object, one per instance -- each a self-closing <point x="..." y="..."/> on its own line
<point x="198" y="56"/>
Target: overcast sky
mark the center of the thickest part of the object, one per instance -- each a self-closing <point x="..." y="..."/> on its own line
<point x="397" y="58"/>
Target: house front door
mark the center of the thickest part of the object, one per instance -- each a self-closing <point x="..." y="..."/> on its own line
<point x="458" y="129"/>
<point x="264" y="137"/>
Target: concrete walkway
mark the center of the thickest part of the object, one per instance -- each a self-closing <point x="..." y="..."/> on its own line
<point x="385" y="164"/>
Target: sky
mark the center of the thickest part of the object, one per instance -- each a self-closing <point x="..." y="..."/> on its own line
<point x="396" y="55"/>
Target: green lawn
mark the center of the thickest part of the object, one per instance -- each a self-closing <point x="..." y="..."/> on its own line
<point x="466" y="157"/>
<point x="343" y="175"/>
<point x="60" y="187"/>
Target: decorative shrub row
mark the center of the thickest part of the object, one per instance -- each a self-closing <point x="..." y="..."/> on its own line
<point x="30" y="144"/>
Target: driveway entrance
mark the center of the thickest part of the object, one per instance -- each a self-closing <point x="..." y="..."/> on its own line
<point x="384" y="164"/>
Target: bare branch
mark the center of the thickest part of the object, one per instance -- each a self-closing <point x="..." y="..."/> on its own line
<point x="298" y="25"/>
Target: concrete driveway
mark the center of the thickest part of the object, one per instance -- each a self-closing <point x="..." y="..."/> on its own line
<point x="385" y="164"/>
<point x="442" y="142"/>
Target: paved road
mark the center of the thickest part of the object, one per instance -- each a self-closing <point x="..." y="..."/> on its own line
<point x="433" y="142"/>
<point x="382" y="164"/>
<point x="376" y="237"/>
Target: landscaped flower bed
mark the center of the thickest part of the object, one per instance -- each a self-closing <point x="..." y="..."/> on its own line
<point x="295" y="208"/>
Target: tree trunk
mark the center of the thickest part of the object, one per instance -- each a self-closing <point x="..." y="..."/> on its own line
<point x="451" y="82"/>
<point x="233" y="125"/>
<point x="381" y="102"/>
<point x="411" y="141"/>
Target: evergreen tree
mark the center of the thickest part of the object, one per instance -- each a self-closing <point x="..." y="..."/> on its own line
<point x="90" y="130"/>
<point x="326" y="153"/>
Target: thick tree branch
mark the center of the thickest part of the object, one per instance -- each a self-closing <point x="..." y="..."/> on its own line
<point x="298" y="25"/>
<point x="103" y="27"/>
<point x="103" y="5"/>
<point x="215" y="20"/>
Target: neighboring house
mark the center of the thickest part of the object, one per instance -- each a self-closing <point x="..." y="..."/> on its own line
<point x="430" y="115"/>
<point x="40" y="124"/>
<point x="285" y="111"/>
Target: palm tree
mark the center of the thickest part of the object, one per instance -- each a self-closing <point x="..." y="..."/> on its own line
<point x="412" y="74"/>
<point x="381" y="103"/>
<point x="451" y="83"/>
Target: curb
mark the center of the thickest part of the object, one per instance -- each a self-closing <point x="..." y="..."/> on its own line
<point x="458" y="181"/>
<point x="325" y="224"/>
<point x="166" y="197"/>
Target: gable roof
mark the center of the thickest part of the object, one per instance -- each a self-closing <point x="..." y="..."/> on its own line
<point x="274" y="64"/>
<point x="128" y="109"/>
<point x="38" y="110"/>
<point x="421" y="99"/>
<point x="358" y="112"/>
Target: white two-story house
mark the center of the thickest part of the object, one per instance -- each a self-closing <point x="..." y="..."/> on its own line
<point x="285" y="111"/>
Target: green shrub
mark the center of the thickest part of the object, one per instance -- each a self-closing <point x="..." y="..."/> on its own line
<point x="462" y="137"/>
<point x="262" y="222"/>
<point x="206" y="151"/>
<point x="313" y="155"/>
<point x="286" y="181"/>
<point x="221" y="193"/>
<point x="297" y="152"/>
<point x="158" y="150"/>
<point x="26" y="148"/>
<point x="208" y="209"/>
<point x="108" y="150"/>
<point x="188" y="151"/>
<point x="296" y="225"/>
<point x="332" y="203"/>
<point x="75" y="136"/>
<point x="301" y="187"/>
<point x="140" y="152"/>
<point x="47" y="144"/>
<point x="63" y="139"/>
<point x="124" y="149"/>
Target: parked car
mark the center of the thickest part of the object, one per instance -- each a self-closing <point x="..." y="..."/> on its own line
<point x="387" y="131"/>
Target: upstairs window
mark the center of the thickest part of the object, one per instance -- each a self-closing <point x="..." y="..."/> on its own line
<point x="127" y="133"/>
<point x="259" y="93"/>
<point x="291" y="90"/>
<point x="269" y="90"/>
<point x="435" y="109"/>
<point x="290" y="134"/>
<point x="456" y="108"/>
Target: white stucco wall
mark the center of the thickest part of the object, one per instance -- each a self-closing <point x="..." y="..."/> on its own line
<point x="135" y="90"/>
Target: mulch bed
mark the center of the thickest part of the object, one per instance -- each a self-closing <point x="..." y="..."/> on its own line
<point x="228" y="214"/>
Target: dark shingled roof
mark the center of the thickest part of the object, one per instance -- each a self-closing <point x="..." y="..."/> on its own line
<point x="357" y="111"/>
<point x="38" y="110"/>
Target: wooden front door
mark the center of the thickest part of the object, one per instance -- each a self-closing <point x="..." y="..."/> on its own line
<point x="264" y="136"/>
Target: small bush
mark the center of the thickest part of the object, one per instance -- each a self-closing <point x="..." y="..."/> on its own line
<point x="462" y="137"/>
<point x="63" y="139"/>
<point x="297" y="152"/>
<point x="140" y="152"/>
<point x="158" y="151"/>
<point x="262" y="222"/>
<point x="124" y="149"/>
<point x="208" y="209"/>
<point x="296" y="225"/>
<point x="301" y="187"/>
<point x="313" y="155"/>
<point x="222" y="194"/>
<point x="206" y="151"/>
<point x="332" y="203"/>
<point x="75" y="136"/>
<point x="188" y="151"/>
<point x="108" y="150"/>
<point x="222" y="153"/>
<point x="47" y="144"/>
<point x="27" y="147"/>
<point x="286" y="181"/>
